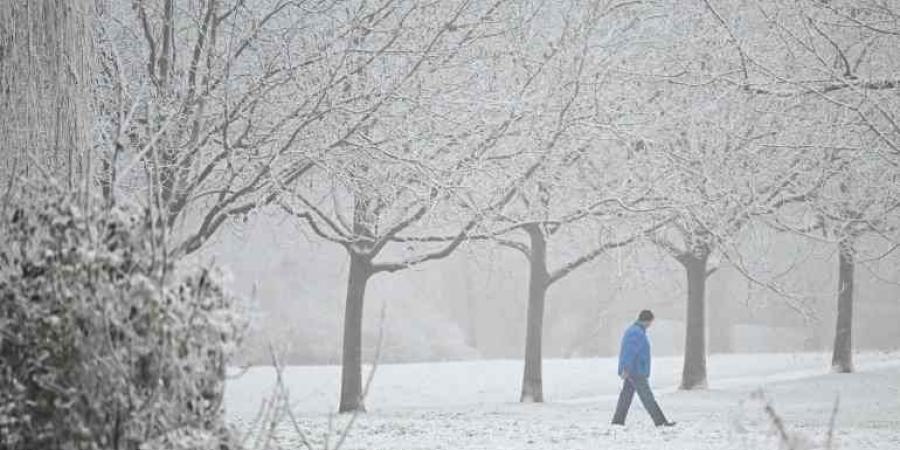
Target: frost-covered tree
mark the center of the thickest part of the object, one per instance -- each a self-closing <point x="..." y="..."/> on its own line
<point x="585" y="180"/>
<point x="410" y="147"/>
<point x="581" y="194"/>
<point x="717" y="151"/>
<point x="609" y="223"/>
<point x="840" y="59"/>
<point x="719" y="179"/>
<point x="859" y="211"/>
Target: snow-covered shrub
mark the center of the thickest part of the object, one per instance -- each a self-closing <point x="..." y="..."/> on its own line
<point x="104" y="343"/>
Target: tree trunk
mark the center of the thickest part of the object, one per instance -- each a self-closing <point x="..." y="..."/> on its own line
<point x="693" y="376"/>
<point x="351" y="363"/>
<point x="46" y="57"/>
<point x="718" y="313"/>
<point x="532" y="381"/>
<point x="471" y="308"/>
<point x="842" y="358"/>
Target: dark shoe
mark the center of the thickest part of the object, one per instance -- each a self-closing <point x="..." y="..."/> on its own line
<point x="667" y="424"/>
<point x="621" y="424"/>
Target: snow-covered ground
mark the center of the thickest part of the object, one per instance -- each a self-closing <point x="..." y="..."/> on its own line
<point x="473" y="405"/>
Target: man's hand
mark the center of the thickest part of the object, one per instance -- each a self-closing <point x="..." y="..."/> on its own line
<point x="624" y="375"/>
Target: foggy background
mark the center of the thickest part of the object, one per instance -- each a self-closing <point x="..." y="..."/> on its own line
<point x="472" y="304"/>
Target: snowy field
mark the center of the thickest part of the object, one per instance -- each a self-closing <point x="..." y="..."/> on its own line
<point x="473" y="405"/>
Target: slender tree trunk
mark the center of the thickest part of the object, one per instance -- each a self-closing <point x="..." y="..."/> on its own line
<point x="351" y="363"/>
<point x="817" y="340"/>
<point x="471" y="307"/>
<point x="693" y="376"/>
<point x="842" y="358"/>
<point x="538" y="281"/>
<point x="720" y="327"/>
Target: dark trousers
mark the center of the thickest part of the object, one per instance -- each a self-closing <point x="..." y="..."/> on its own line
<point x="636" y="383"/>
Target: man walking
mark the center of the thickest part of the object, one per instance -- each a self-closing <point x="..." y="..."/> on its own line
<point x="634" y="368"/>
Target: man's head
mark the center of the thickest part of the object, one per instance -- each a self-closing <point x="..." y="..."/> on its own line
<point x="646" y="318"/>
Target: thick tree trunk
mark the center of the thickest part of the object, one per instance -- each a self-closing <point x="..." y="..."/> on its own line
<point x="532" y="380"/>
<point x="351" y="363"/>
<point x="842" y="358"/>
<point x="46" y="55"/>
<point x="693" y="376"/>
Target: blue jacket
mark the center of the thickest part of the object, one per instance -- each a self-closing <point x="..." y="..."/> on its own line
<point x="634" y="355"/>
